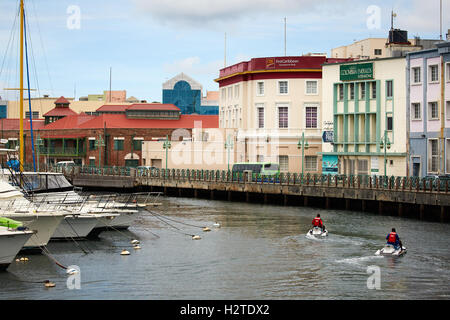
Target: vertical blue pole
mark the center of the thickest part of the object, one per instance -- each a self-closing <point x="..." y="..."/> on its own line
<point x="29" y="93"/>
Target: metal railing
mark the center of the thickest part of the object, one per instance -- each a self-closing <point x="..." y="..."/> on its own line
<point x="416" y="184"/>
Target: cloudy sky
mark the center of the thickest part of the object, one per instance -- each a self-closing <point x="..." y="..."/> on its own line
<point x="146" y="42"/>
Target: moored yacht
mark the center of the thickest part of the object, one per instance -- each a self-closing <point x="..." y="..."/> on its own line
<point x="11" y="242"/>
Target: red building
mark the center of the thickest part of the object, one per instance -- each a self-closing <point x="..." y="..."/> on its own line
<point x="113" y="137"/>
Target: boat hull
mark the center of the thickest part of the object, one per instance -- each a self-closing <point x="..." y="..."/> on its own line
<point x="10" y="245"/>
<point x="44" y="226"/>
<point x="75" y="227"/>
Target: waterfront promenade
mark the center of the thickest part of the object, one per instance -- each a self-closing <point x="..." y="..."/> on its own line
<point x="402" y="196"/>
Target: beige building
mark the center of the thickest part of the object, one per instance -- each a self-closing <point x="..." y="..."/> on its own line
<point x="374" y="48"/>
<point x="364" y="102"/>
<point x="270" y="103"/>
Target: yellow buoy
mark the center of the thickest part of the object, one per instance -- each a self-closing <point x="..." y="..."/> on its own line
<point x="206" y="229"/>
<point x="125" y="253"/>
<point x="48" y="284"/>
<point x="196" y="238"/>
<point x="136" y="247"/>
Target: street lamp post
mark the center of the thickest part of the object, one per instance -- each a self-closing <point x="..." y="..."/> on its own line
<point x="39" y="143"/>
<point x="167" y="145"/>
<point x="385" y="144"/>
<point x="228" y="146"/>
<point x="99" y="143"/>
<point x="303" y="144"/>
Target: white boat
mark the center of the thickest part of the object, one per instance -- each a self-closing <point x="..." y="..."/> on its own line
<point x="390" y="250"/>
<point x="75" y="227"/>
<point x="11" y="242"/>
<point x="15" y="206"/>
<point x="317" y="233"/>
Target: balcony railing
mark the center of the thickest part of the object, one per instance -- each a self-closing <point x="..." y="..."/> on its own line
<point x="63" y="151"/>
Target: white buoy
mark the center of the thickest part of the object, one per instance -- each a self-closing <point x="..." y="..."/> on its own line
<point x="125" y="253"/>
<point x="206" y="229"/>
<point x="217" y="225"/>
<point x="135" y="242"/>
<point x="17" y="260"/>
<point x="196" y="238"/>
<point x="72" y="271"/>
<point x="136" y="247"/>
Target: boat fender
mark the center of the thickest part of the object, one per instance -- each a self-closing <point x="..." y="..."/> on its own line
<point x="72" y="271"/>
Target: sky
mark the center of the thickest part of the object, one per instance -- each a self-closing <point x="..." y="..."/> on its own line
<point x="74" y="44"/>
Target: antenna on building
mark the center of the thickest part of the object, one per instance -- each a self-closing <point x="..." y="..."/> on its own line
<point x="225" y="52"/>
<point x="393" y="15"/>
<point x="284" y="36"/>
<point x="110" y="80"/>
<point x="74" y="91"/>
<point x="440" y="19"/>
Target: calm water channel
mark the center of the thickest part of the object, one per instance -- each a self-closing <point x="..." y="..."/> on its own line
<point x="260" y="252"/>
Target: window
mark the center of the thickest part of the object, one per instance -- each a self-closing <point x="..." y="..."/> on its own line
<point x="389" y="89"/>
<point x="433" y="155"/>
<point x="389" y="123"/>
<point x="230" y="92"/>
<point x="260" y="88"/>
<point x="363" y="91"/>
<point x="283" y="117"/>
<point x="35" y="114"/>
<point x="283" y="87"/>
<point x="118" y="144"/>
<point x="311" y="87"/>
<point x="363" y="167"/>
<point x="448" y="70"/>
<point x="260" y="110"/>
<point x="434" y="73"/>
<point x="341" y="92"/>
<point x="447" y="111"/>
<point x="433" y="110"/>
<point x="91" y="162"/>
<point x="378" y="52"/>
<point x="236" y="91"/>
<point x="416" y="113"/>
<point x="137" y="145"/>
<point x="284" y="163"/>
<point x="311" y="163"/>
<point x="260" y="158"/>
<point x="311" y="117"/>
<point x="223" y="94"/>
<point x="374" y="90"/>
<point x="416" y="75"/>
<point x="352" y="91"/>
<point x="92" y="145"/>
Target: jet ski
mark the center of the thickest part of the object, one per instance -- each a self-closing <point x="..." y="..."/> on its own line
<point x="389" y="250"/>
<point x="317" y="232"/>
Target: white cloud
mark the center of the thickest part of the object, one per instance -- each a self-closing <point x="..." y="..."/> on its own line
<point x="207" y="12"/>
<point x="193" y="66"/>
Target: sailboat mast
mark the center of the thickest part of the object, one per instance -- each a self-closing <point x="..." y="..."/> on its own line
<point x="21" y="87"/>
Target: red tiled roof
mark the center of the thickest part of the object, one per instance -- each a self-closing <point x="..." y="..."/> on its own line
<point x="115" y="108"/>
<point x="69" y="122"/>
<point x="62" y="100"/>
<point x="154" y="106"/>
<point x="13" y="124"/>
<point x="60" y="112"/>
<point x="121" y="121"/>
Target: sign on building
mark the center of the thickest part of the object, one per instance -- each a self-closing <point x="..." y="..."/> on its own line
<point x="361" y="71"/>
<point x="330" y="164"/>
<point x="327" y="136"/>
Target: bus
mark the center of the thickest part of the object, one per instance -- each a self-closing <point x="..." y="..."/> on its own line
<point x="263" y="168"/>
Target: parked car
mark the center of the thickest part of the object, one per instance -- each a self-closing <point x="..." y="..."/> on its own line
<point x="144" y="169"/>
<point x="64" y="165"/>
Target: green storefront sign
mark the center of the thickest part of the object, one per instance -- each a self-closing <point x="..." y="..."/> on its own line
<point x="362" y="71"/>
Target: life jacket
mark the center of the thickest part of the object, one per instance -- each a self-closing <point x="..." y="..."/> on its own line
<point x="317" y="222"/>
<point x="392" y="237"/>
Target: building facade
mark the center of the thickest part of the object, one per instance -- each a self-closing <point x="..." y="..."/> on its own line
<point x="272" y="104"/>
<point x="364" y="106"/>
<point x="428" y="100"/>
